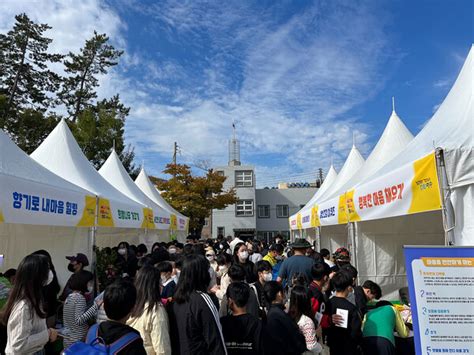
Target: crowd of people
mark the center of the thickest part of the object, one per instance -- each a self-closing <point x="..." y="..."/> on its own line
<point x="220" y="296"/>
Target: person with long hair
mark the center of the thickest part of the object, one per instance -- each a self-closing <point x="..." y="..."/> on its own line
<point x="149" y="316"/>
<point x="241" y="257"/>
<point x="301" y="312"/>
<point x="194" y="319"/>
<point x="24" y="313"/>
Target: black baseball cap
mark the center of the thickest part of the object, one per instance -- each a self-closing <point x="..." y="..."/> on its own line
<point x="80" y="258"/>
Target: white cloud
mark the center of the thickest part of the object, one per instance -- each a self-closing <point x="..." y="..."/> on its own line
<point x="289" y="82"/>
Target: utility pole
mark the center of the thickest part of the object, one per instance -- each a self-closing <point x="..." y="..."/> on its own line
<point x="175" y="151"/>
<point x="320" y="176"/>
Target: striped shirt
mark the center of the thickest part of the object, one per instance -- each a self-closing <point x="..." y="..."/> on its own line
<point x="75" y="318"/>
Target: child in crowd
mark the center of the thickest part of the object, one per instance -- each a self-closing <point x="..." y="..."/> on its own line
<point x="345" y="337"/>
<point x="282" y="333"/>
<point x="119" y="301"/>
<point x="300" y="311"/>
<point x="264" y="274"/>
<point x="166" y="269"/>
<point x="75" y="316"/>
<point x="242" y="331"/>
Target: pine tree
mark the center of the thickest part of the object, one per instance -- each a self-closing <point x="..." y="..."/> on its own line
<point x="79" y="87"/>
<point x="25" y="77"/>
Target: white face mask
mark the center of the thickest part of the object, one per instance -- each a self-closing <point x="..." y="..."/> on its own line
<point x="267" y="277"/>
<point x="163" y="279"/>
<point x="90" y="288"/>
<point x="279" y="257"/>
<point x="210" y="257"/>
<point x="50" y="278"/>
<point x="122" y="251"/>
<point x="172" y="251"/>
<point x="243" y="255"/>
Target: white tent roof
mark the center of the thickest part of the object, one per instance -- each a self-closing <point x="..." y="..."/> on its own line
<point x="328" y="181"/>
<point x="394" y="138"/>
<point x="15" y="162"/>
<point x="61" y="154"/>
<point x="144" y="183"/>
<point x="19" y="173"/>
<point x="352" y="165"/>
<point x="114" y="172"/>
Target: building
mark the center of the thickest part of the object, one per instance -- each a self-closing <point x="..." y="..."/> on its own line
<point x="259" y="213"/>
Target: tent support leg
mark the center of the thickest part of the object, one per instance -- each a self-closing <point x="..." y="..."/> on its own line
<point x="317" y="242"/>
<point x="92" y="246"/>
<point x="352" y="231"/>
<point x="447" y="208"/>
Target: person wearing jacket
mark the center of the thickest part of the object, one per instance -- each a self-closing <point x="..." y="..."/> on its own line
<point x="241" y="257"/>
<point x="149" y="316"/>
<point x="195" y="327"/>
<point x="24" y="314"/>
<point x="283" y="335"/>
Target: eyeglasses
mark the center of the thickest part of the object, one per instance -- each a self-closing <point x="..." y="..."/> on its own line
<point x="207" y="255"/>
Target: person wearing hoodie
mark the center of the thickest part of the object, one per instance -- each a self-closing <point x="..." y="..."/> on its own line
<point x="119" y="301"/>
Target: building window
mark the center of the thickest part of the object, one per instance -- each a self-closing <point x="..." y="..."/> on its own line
<point x="244" y="208"/>
<point x="263" y="211"/>
<point x="244" y="178"/>
<point x="220" y="172"/>
<point x="221" y="231"/>
<point x="282" y="211"/>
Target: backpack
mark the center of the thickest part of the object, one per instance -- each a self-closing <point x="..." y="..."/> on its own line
<point x="95" y="345"/>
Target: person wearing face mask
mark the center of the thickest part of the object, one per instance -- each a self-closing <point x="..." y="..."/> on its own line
<point x="75" y="313"/>
<point x="211" y="256"/>
<point x="167" y="283"/>
<point x="76" y="265"/>
<point x="224" y="261"/>
<point x="127" y="262"/>
<point x="283" y="334"/>
<point x="23" y="314"/>
<point x="241" y="257"/>
<point x="264" y="274"/>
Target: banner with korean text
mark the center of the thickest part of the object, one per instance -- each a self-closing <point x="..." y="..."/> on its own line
<point x="28" y="202"/>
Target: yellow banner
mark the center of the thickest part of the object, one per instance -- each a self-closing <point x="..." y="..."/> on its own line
<point x="298" y="221"/>
<point x="148" y="219"/>
<point x="425" y="186"/>
<point x="315" y="217"/>
<point x="105" y="214"/>
<point x="173" y="222"/>
<point x="351" y="209"/>
<point x="88" y="214"/>
<point x="342" y="216"/>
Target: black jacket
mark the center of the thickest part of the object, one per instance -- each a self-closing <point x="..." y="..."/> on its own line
<point x="111" y="331"/>
<point x="345" y="341"/>
<point x="361" y="300"/>
<point x="283" y="335"/>
<point x="193" y="328"/>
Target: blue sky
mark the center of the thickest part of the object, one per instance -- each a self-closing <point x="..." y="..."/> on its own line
<point x="299" y="78"/>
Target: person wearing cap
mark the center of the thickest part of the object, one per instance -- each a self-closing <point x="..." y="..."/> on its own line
<point x="342" y="256"/>
<point x="298" y="264"/>
<point x="76" y="265"/>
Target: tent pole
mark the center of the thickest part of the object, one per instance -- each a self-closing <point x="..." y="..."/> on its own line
<point x="446" y="207"/>
<point x="93" y="232"/>
<point x="352" y="242"/>
<point x="317" y="239"/>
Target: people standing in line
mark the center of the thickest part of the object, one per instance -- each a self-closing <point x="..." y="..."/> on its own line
<point x="320" y="275"/>
<point x="24" y="313"/>
<point x="242" y="331"/>
<point x="282" y="335"/>
<point x="237" y="274"/>
<point x="75" y="313"/>
<point x="352" y="272"/>
<point x="298" y="264"/>
<point x="167" y="283"/>
<point x="195" y="327"/>
<point x="264" y="275"/>
<point x="211" y="257"/>
<point x="369" y="291"/>
<point x="224" y="262"/>
<point x="127" y="262"/>
<point x="274" y="255"/>
<point x="254" y="251"/>
<point x="379" y="324"/>
<point x="327" y="257"/>
<point x="300" y="311"/>
<point x="241" y="257"/>
<point x="76" y="265"/>
<point x="149" y="316"/>
<point x="344" y="338"/>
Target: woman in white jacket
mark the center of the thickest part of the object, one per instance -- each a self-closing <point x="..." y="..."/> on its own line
<point x="149" y="316"/>
<point x="24" y="313"/>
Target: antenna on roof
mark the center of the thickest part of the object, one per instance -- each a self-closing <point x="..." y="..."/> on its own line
<point x="393" y="103"/>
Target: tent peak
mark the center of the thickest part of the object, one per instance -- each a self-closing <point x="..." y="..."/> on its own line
<point x="393" y="104"/>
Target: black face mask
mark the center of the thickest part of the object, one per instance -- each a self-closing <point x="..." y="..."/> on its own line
<point x="70" y="267"/>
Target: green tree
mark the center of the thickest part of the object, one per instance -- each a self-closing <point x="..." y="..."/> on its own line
<point x="99" y="128"/>
<point x="79" y="87"/>
<point x="195" y="196"/>
<point x="25" y="78"/>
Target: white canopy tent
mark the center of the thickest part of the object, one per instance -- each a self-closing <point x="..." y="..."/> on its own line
<point x="179" y="222"/>
<point x="39" y="210"/>
<point x="114" y="172"/>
